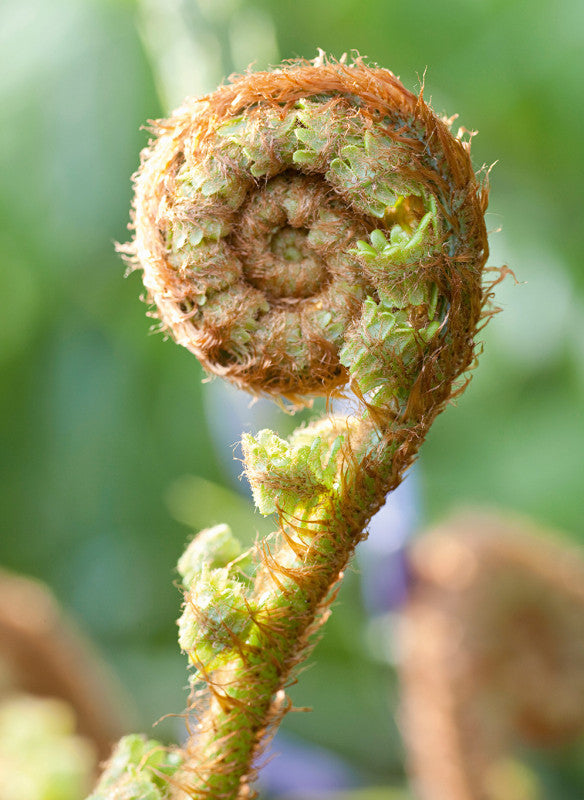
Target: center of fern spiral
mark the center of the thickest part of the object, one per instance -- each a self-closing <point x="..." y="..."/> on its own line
<point x="281" y="238"/>
<point x="296" y="271"/>
<point x="290" y="244"/>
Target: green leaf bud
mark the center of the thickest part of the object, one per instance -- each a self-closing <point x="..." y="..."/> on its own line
<point x="215" y="617"/>
<point x="211" y="548"/>
<point x="138" y="769"/>
<point x="290" y="476"/>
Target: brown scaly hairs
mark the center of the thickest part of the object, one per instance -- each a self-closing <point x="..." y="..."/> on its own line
<point x="315" y="230"/>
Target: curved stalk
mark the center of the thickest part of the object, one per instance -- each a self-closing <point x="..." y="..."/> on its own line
<point x="308" y="231"/>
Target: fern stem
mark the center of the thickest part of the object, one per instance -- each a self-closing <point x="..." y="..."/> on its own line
<point x="308" y="231"/>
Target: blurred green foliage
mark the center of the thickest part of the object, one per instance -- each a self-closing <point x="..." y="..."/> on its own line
<point x="101" y="422"/>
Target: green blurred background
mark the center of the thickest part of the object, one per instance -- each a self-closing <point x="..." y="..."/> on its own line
<point x="102" y="424"/>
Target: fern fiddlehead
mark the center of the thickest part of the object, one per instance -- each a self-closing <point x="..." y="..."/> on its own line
<point x="492" y="644"/>
<point x="306" y="231"/>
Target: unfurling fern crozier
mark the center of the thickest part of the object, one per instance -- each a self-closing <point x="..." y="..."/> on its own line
<point x="312" y="231"/>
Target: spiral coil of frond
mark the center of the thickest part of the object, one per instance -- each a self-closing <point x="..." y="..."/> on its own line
<point x="284" y="214"/>
<point x="305" y="231"/>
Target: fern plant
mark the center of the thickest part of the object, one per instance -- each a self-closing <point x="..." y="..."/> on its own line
<point x="492" y="644"/>
<point x="311" y="231"/>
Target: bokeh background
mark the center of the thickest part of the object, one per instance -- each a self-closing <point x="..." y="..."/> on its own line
<point x="113" y="451"/>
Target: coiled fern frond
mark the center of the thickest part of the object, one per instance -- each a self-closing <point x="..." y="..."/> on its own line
<point x="313" y="230"/>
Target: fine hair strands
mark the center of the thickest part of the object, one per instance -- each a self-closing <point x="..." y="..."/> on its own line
<point x="314" y="230"/>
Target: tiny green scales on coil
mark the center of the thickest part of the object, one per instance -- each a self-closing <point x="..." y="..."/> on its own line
<point x="309" y="231"/>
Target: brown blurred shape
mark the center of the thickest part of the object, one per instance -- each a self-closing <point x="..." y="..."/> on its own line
<point x="46" y="656"/>
<point x="492" y="655"/>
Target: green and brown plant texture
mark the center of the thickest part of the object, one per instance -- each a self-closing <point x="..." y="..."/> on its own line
<point x="493" y="657"/>
<point x="312" y="231"/>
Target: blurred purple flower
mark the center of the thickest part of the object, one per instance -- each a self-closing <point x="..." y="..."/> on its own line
<point x="293" y="767"/>
<point x="382" y="556"/>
